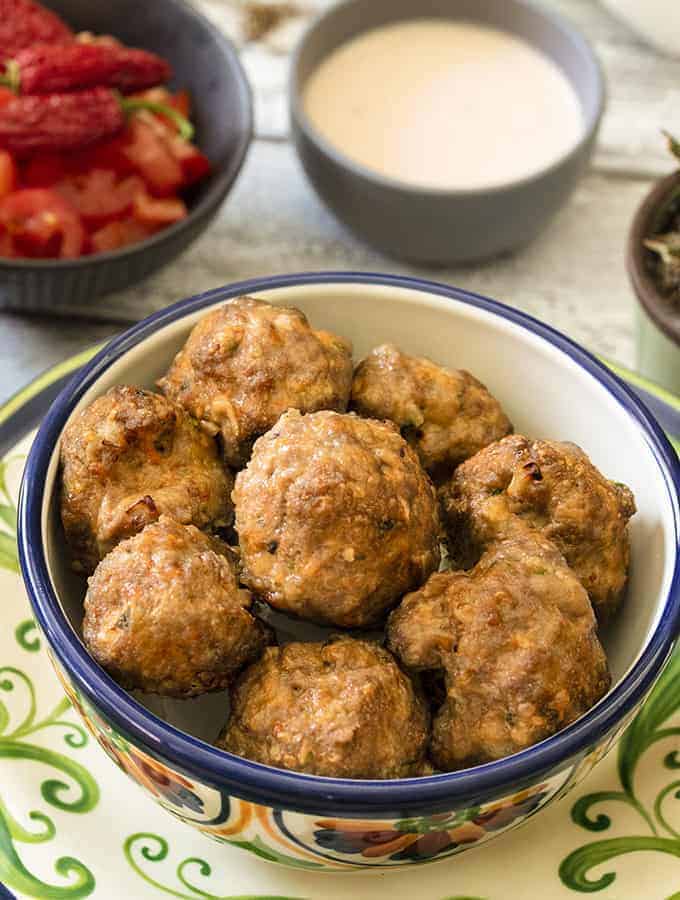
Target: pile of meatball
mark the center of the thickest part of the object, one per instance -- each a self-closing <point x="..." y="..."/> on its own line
<point x="269" y="473"/>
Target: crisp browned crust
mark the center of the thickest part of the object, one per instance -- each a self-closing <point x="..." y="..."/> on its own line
<point x="553" y="487"/>
<point x="445" y="414"/>
<point x="336" y="519"/>
<point x="343" y="709"/>
<point x="247" y="362"/>
<point x="129" y="457"/>
<point x="516" y="638"/>
<point x="164" y="613"/>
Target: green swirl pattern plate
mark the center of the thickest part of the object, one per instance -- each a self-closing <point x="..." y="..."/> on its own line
<point x="72" y="825"/>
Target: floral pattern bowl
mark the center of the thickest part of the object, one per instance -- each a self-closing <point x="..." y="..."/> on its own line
<point x="550" y="387"/>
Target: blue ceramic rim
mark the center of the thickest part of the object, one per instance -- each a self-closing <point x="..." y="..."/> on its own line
<point x="308" y="793"/>
<point x="216" y="192"/>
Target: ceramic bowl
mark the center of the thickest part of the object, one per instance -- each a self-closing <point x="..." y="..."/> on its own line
<point x="442" y="227"/>
<point x="549" y="387"/>
<point x="658" y="323"/>
<point x="205" y="63"/>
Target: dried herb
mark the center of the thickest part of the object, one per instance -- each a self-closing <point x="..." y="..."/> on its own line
<point x="664" y="243"/>
<point x="261" y="17"/>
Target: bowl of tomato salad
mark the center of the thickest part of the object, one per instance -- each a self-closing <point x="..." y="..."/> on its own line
<point x="122" y="129"/>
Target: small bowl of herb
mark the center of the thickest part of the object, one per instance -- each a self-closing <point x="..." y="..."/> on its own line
<point x="653" y="257"/>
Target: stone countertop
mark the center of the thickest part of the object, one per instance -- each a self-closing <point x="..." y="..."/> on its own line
<point x="573" y="276"/>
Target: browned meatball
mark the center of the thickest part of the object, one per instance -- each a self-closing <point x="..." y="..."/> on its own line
<point x="342" y="709"/>
<point x="336" y="518"/>
<point x="126" y="459"/>
<point x="164" y="613"/>
<point x="555" y="488"/>
<point x="247" y="362"/>
<point x="516" y="638"/>
<point x="446" y="415"/>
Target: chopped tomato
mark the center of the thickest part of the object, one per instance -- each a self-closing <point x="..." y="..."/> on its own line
<point x="181" y="100"/>
<point x="5" y="96"/>
<point x="118" y="234"/>
<point x="158" y="213"/>
<point x="41" y="224"/>
<point x="43" y="170"/>
<point x="99" y="196"/>
<point x="103" y="155"/>
<point x="8" y="173"/>
<point x="194" y="164"/>
<point x="151" y="158"/>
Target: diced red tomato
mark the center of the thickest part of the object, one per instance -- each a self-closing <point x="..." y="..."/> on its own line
<point x="99" y="196"/>
<point x="181" y="100"/>
<point x="43" y="170"/>
<point x="103" y="155"/>
<point x="118" y="234"/>
<point x="194" y="164"/>
<point x="6" y="95"/>
<point x="158" y="213"/>
<point x="8" y="173"/>
<point x="41" y="224"/>
<point x="151" y="157"/>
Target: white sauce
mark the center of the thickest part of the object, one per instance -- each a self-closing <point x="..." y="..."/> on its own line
<point x="445" y="105"/>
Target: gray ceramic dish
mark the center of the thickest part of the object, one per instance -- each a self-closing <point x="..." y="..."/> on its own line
<point x="206" y="63"/>
<point x="658" y="321"/>
<point x="431" y="226"/>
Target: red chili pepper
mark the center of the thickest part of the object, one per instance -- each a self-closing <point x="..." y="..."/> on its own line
<point x="70" y="121"/>
<point x="24" y="22"/>
<point x="59" y="121"/>
<point x="58" y="68"/>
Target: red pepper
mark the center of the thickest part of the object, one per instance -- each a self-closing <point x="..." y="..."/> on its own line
<point x="56" y="69"/>
<point x="59" y="121"/>
<point x="64" y="122"/>
<point x="23" y="23"/>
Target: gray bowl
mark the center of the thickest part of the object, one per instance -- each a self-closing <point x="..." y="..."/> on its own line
<point x="206" y="63"/>
<point x="438" y="227"/>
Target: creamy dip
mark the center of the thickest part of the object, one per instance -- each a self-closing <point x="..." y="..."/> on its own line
<point x="442" y="104"/>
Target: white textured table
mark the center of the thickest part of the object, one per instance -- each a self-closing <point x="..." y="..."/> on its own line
<point x="573" y="277"/>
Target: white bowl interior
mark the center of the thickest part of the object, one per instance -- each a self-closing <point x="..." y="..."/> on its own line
<point x="545" y="393"/>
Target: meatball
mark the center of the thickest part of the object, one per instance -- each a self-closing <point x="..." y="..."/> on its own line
<point x="555" y="488"/>
<point x="247" y="362"/>
<point x="516" y="640"/>
<point x="446" y="415"/>
<point x="342" y="709"/>
<point x="164" y="613"/>
<point x="126" y="459"/>
<point x="336" y="519"/>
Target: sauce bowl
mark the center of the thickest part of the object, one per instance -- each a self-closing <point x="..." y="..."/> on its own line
<point x="550" y="387"/>
<point x="432" y="226"/>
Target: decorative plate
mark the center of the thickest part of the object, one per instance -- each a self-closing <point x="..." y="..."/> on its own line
<point x="72" y="825"/>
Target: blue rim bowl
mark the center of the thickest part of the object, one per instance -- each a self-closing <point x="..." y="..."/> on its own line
<point x="306" y="793"/>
